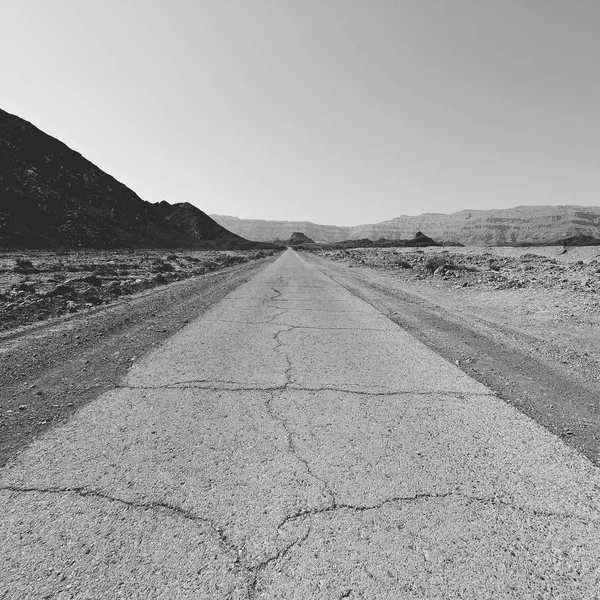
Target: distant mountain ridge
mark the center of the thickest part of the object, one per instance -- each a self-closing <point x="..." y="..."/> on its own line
<point x="52" y="197"/>
<point x="519" y="225"/>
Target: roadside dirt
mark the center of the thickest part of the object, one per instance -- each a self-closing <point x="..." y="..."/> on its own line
<point x="38" y="285"/>
<point x="51" y="369"/>
<point x="535" y="343"/>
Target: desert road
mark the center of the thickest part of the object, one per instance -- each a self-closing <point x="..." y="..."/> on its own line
<point x="294" y="443"/>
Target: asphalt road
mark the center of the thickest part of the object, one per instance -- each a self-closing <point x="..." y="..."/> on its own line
<point x="295" y="443"/>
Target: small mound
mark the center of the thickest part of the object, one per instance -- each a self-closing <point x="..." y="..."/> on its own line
<point x="298" y="238"/>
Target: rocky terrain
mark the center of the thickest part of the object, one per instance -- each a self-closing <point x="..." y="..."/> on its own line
<point x="520" y="225"/>
<point x="52" y="197"/>
<point x="35" y="286"/>
<point x="576" y="269"/>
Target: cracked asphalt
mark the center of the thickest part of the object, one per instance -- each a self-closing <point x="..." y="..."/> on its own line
<point x="293" y="442"/>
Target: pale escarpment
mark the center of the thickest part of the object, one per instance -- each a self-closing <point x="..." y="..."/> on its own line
<point x="520" y="225"/>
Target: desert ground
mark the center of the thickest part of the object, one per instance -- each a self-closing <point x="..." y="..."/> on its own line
<point x="35" y="286"/>
<point x="524" y="321"/>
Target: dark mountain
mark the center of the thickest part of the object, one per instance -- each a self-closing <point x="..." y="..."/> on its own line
<point x="52" y="197"/>
<point x="578" y="240"/>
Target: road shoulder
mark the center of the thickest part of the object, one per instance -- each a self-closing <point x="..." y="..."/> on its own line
<point x="49" y="371"/>
<point x="522" y="369"/>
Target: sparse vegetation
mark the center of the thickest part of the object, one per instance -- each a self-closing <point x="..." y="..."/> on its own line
<point x="162" y="267"/>
<point x="24" y="263"/>
<point x="403" y="264"/>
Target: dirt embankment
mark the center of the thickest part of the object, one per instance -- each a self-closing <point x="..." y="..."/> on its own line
<point x="524" y="324"/>
<point x="50" y="369"/>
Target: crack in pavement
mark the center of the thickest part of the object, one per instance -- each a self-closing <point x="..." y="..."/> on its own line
<point x="196" y="384"/>
<point x="288" y="369"/>
<point x="340" y="301"/>
<point x="84" y="492"/>
<point x="242" y="387"/>
<point x="434" y="394"/>
<point x="293" y="450"/>
<point x="271" y="319"/>
<point x="290" y="326"/>
<point x="302" y="518"/>
<point x="301" y="514"/>
<point x="261" y="566"/>
<point x="253" y="571"/>
<point x="335" y="507"/>
<point x="341" y="312"/>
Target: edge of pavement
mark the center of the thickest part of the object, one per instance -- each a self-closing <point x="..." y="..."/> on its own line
<point x="49" y="371"/>
<point x="566" y="408"/>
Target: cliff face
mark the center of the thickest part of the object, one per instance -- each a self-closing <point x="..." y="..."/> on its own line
<point x="536" y="224"/>
<point x="260" y="230"/>
<point x="523" y="224"/>
<point x="51" y="196"/>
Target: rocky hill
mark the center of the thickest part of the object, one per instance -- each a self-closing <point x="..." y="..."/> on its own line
<point x="298" y="238"/>
<point x="520" y="225"/>
<point x="52" y="197"/>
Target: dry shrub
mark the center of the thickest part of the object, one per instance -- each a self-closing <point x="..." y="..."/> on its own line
<point x="162" y="267"/>
<point x="23" y="263"/>
<point x="434" y="263"/>
<point x="403" y="264"/>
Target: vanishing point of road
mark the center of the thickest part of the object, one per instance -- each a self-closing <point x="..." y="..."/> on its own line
<point x="294" y="443"/>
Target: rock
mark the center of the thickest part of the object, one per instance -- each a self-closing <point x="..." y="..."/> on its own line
<point x="89" y="293"/>
<point x="445" y="268"/>
<point x="62" y="290"/>
<point x="93" y="280"/>
<point x="115" y="289"/>
<point x="27" y="286"/>
<point x="402" y="264"/>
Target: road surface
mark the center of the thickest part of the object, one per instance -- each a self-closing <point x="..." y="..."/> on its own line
<point x="295" y="443"/>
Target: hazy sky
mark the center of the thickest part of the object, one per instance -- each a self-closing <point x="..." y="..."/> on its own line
<point x="333" y="111"/>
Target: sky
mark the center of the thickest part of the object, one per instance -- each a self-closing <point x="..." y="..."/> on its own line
<point x="333" y="111"/>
